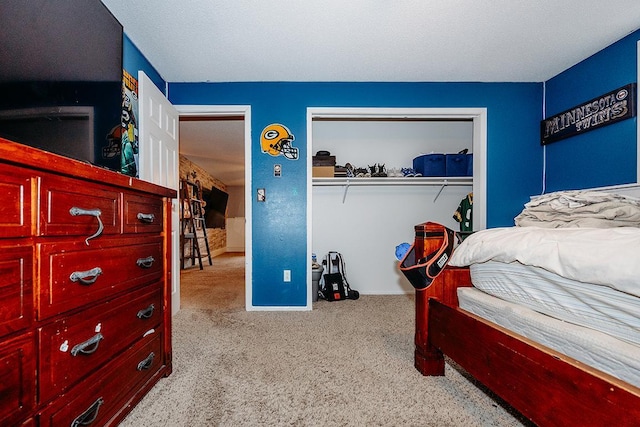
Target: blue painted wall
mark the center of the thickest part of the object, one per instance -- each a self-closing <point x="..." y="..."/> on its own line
<point x="514" y="156"/>
<point x="606" y="156"/>
<point x="133" y="60"/>
<point x="279" y="224"/>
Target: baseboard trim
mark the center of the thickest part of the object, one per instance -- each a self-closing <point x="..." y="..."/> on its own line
<point x="235" y="249"/>
<point x="217" y="252"/>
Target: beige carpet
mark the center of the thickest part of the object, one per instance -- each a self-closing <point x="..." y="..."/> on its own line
<point x="346" y="363"/>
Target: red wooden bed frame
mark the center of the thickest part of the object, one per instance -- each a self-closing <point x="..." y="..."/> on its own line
<point x="545" y="386"/>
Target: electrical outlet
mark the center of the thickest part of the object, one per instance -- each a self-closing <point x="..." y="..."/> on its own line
<point x="287" y="275"/>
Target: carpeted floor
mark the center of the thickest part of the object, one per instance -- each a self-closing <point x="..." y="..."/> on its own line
<point x="346" y="363"/>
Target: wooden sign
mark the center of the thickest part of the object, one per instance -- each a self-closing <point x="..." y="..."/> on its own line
<point x="604" y="110"/>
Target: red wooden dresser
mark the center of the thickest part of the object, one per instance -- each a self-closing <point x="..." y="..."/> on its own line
<point x="85" y="298"/>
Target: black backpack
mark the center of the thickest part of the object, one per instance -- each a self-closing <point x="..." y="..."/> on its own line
<point x="333" y="284"/>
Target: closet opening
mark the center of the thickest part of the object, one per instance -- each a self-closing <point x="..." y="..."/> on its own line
<point x="365" y="218"/>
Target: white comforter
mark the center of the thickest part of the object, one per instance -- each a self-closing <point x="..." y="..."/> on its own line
<point x="609" y="257"/>
<point x="580" y="208"/>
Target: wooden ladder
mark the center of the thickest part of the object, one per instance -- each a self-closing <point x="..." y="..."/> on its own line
<point x="193" y="226"/>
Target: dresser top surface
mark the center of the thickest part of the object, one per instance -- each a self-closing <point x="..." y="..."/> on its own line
<point x="24" y="155"/>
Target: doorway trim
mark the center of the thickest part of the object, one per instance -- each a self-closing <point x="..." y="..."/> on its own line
<point x="245" y="112"/>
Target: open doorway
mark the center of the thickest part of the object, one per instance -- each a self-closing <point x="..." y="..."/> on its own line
<point x="214" y="149"/>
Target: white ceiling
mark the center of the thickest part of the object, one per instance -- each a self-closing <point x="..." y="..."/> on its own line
<point x="371" y="40"/>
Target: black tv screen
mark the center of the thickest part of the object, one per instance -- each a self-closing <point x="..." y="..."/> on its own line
<point x="215" y="208"/>
<point x="61" y="78"/>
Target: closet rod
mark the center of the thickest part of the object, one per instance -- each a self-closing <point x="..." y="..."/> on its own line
<point x="339" y="182"/>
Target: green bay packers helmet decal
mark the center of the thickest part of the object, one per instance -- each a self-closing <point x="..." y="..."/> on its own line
<point x="276" y="140"/>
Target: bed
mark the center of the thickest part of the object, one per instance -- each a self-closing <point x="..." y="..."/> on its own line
<point x="546" y="314"/>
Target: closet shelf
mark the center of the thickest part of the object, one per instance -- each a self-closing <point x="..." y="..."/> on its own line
<point x="442" y="182"/>
<point x="423" y="181"/>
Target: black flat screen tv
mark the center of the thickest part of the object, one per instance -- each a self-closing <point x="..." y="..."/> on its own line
<point x="61" y="78"/>
<point x="215" y="208"/>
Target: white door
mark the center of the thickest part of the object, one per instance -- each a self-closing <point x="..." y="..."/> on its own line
<point x="159" y="160"/>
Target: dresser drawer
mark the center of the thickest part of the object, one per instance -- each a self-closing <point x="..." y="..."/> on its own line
<point x="73" y="274"/>
<point x="16" y="288"/>
<point x="76" y="346"/>
<point x="17" y="378"/>
<point x="102" y="398"/>
<point x="143" y="214"/>
<point x="30" y="422"/>
<point x="70" y="207"/>
<point x="15" y="202"/>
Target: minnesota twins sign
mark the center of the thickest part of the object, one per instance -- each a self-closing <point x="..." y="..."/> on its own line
<point x="605" y="110"/>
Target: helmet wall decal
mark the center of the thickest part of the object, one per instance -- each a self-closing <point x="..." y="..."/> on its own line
<point x="276" y="140"/>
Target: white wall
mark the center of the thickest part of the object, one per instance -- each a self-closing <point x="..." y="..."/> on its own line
<point x="235" y="221"/>
<point x="235" y="234"/>
<point x="371" y="222"/>
<point x="374" y="219"/>
<point x="235" y="204"/>
<point x="394" y="143"/>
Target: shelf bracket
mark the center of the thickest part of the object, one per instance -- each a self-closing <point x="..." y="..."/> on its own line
<point x="344" y="194"/>
<point x="444" y="184"/>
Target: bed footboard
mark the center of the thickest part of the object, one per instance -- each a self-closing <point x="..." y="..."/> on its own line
<point x="547" y="387"/>
<point x="428" y="359"/>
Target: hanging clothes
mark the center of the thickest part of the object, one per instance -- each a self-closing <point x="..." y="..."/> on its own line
<point x="464" y="213"/>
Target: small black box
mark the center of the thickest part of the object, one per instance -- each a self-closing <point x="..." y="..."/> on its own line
<point x="324" y="161"/>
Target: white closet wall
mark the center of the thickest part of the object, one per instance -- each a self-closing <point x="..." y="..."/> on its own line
<point x="392" y="142"/>
<point x="369" y="225"/>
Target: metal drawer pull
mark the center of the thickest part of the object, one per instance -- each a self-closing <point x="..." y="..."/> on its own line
<point x="148" y="218"/>
<point x="74" y="211"/>
<point x="86" y="277"/>
<point x="146" y="363"/>
<point x="88" y="416"/>
<point x="146" y="313"/>
<point x="145" y="262"/>
<point x="89" y="346"/>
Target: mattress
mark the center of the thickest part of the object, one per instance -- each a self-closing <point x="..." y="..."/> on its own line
<point x="594" y="348"/>
<point x="608" y="257"/>
<point x="594" y="306"/>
